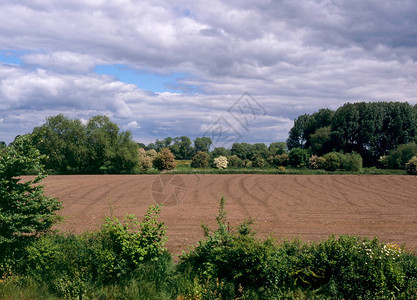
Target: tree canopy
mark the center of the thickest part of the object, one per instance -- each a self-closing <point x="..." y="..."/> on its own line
<point x="95" y="147"/>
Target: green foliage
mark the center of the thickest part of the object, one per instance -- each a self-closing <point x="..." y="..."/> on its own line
<point x="235" y="161"/>
<point x="281" y="160"/>
<point x="351" y="161"/>
<point x="125" y="245"/>
<point x="259" y="162"/>
<point x="369" y="129"/>
<point x="200" y="160"/>
<point x="219" y="151"/>
<point x="24" y="209"/>
<point x="71" y="265"/>
<point x="232" y="255"/>
<point x="316" y="162"/>
<point x="97" y="147"/>
<point x="182" y="148"/>
<point x="298" y="157"/>
<point x="164" y="160"/>
<point x="321" y="141"/>
<point x="351" y="268"/>
<point x="332" y="161"/>
<point x="398" y="157"/>
<point x="202" y="144"/>
<point x="277" y="148"/>
<point x="411" y="166"/>
<point x="127" y="260"/>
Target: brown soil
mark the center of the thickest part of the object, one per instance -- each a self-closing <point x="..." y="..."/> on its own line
<point x="310" y="207"/>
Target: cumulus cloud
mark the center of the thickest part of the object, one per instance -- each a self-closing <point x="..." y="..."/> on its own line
<point x="294" y="57"/>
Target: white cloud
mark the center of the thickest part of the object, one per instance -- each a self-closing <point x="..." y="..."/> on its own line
<point x="293" y="56"/>
<point x="133" y="125"/>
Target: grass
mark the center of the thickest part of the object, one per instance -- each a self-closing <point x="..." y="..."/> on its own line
<point x="288" y="170"/>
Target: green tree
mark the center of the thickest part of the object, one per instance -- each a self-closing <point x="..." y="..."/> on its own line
<point x="321" y="141"/>
<point x="219" y="151"/>
<point x="200" y="160"/>
<point x="259" y="150"/>
<point x="182" y="148"/>
<point x="298" y="157"/>
<point x="297" y="135"/>
<point x="277" y="148"/>
<point x="102" y="137"/>
<point x="24" y="209"/>
<point x="202" y="144"/>
<point x="124" y="158"/>
<point x="63" y="141"/>
<point x="398" y="157"/>
<point x="243" y="151"/>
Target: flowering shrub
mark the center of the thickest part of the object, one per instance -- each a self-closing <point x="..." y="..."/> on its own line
<point x="164" y="160"/>
<point x="411" y="166"/>
<point x="220" y="162"/>
<point x="316" y="162"/>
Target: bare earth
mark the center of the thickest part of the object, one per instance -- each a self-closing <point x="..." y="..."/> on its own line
<point x="310" y="207"/>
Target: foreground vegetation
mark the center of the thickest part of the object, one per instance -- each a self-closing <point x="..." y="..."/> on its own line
<point x="127" y="260"/>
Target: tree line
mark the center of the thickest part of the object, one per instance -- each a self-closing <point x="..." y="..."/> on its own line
<point x="383" y="134"/>
<point x="370" y="129"/>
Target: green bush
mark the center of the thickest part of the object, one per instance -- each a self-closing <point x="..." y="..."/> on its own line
<point x="332" y="161"/>
<point x="351" y="161"/>
<point x="411" y="166"/>
<point x="200" y="160"/>
<point x="25" y="211"/>
<point x="71" y="264"/>
<point x="259" y="162"/>
<point x="298" y="157"/>
<point x="353" y="268"/>
<point x="235" y="161"/>
<point x="281" y="160"/>
<point x="164" y="160"/>
<point x="397" y="158"/>
<point x="232" y="255"/>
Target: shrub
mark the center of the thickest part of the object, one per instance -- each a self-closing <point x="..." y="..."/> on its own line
<point x="281" y="160"/>
<point x="220" y="162"/>
<point x="353" y="268"/>
<point x="298" y="157"/>
<point x="259" y="162"/>
<point x="145" y="161"/>
<point x="24" y="209"/>
<point x="397" y="158"/>
<point x="68" y="264"/>
<point x="332" y="161"/>
<point x="231" y="255"/>
<point x="351" y="161"/>
<point x="200" y="160"/>
<point x="411" y="166"/>
<point x="235" y="162"/>
<point x="164" y="160"/>
<point x="316" y="162"/>
<point x="281" y="169"/>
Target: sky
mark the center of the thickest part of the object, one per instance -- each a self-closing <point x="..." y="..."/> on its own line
<point x="231" y="70"/>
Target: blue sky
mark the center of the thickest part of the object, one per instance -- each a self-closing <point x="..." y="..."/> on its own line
<point x="177" y="68"/>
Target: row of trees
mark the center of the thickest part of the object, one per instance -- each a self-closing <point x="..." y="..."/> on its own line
<point x="182" y="147"/>
<point x="373" y="130"/>
<point x="370" y="129"/>
<point x="94" y="147"/>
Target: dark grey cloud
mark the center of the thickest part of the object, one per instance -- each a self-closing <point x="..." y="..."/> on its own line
<point x="292" y="56"/>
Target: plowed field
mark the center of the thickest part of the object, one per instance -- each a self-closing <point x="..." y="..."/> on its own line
<point x="310" y="207"/>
